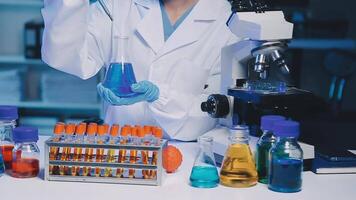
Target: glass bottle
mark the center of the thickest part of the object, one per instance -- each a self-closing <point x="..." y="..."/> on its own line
<point x="204" y="173"/>
<point x="238" y="168"/>
<point x="264" y="144"/>
<point x="286" y="163"/>
<point x="2" y="166"/>
<point x="120" y="75"/>
<point x="25" y="163"/>
<point x="8" y="117"/>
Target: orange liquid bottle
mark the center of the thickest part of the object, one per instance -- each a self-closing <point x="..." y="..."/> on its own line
<point x="88" y="155"/>
<point x="77" y="155"/>
<point x="100" y="139"/>
<point x="114" y="132"/>
<point x="66" y="151"/>
<point x="125" y="133"/>
<point x="133" y="153"/>
<point x="54" y="151"/>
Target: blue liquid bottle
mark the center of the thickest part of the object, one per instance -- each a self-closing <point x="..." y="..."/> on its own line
<point x="2" y="166"/>
<point x="286" y="164"/>
<point x="204" y="173"/>
<point x="120" y="74"/>
<point x="264" y="145"/>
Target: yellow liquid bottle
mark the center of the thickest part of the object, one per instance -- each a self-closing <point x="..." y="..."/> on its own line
<point x="238" y="168"/>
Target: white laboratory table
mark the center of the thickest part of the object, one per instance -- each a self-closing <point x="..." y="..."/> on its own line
<point x="175" y="186"/>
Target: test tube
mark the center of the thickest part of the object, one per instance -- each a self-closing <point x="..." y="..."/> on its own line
<point x="114" y="132"/>
<point x="133" y="153"/>
<point x="157" y="135"/>
<point x="88" y="156"/>
<point x="100" y="139"/>
<point x="144" y="153"/>
<point x="125" y="134"/>
<point x="79" y="138"/>
<point x="54" y="151"/>
<point x="69" y="131"/>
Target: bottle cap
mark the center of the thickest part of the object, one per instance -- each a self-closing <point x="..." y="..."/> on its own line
<point x="114" y="131"/>
<point x="147" y="129"/>
<point x="134" y="131"/>
<point x="239" y="131"/>
<point x="70" y="128"/>
<point x="107" y="127"/>
<point x="81" y="128"/>
<point x="59" y="128"/>
<point x="101" y="130"/>
<point x="267" y="121"/>
<point x="92" y="128"/>
<point x="140" y="131"/>
<point x="157" y="132"/>
<point x="25" y="134"/>
<point x="125" y="131"/>
<point x="286" y="129"/>
<point x="8" y="113"/>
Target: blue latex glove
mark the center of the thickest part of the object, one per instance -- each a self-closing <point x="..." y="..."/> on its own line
<point x="147" y="92"/>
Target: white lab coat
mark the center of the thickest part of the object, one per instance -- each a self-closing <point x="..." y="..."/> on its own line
<point x="78" y="40"/>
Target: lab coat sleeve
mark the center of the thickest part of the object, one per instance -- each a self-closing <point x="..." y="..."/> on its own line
<point x="71" y="37"/>
<point x="179" y="113"/>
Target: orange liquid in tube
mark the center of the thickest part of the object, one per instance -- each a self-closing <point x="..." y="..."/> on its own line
<point x="69" y="131"/>
<point x="88" y="155"/>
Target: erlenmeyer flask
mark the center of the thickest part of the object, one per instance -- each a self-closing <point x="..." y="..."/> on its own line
<point x="238" y="168"/>
<point x="204" y="173"/>
<point x="120" y="75"/>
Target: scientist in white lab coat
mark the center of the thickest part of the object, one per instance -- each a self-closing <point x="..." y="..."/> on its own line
<point x="174" y="46"/>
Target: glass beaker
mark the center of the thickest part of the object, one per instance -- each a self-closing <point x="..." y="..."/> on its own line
<point x="238" y="168"/>
<point x="120" y="75"/>
<point x="204" y="173"/>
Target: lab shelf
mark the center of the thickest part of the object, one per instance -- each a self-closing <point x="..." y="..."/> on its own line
<point x="31" y="3"/>
<point x="329" y="43"/>
<point x="19" y="59"/>
<point x="46" y="105"/>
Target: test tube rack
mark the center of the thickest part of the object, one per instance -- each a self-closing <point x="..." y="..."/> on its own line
<point x="138" y="166"/>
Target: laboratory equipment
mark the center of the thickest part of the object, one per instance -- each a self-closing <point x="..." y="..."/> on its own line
<point x="249" y="92"/>
<point x="33" y="38"/>
<point x="58" y="132"/>
<point x="69" y="131"/>
<point x="264" y="145"/>
<point x="286" y="164"/>
<point x="26" y="154"/>
<point x="79" y="138"/>
<point x="238" y="168"/>
<point x="105" y="159"/>
<point x="204" y="173"/>
<point x="157" y="134"/>
<point x="8" y="117"/>
<point x="172" y="158"/>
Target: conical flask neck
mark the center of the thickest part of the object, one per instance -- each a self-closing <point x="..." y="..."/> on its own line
<point x="123" y="55"/>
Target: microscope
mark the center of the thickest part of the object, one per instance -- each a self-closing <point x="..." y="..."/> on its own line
<point x="247" y="92"/>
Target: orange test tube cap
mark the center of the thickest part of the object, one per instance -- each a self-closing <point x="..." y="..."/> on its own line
<point x="92" y="127"/>
<point x="70" y="128"/>
<point x="107" y="127"/>
<point x="134" y="131"/>
<point x="59" y="128"/>
<point x="125" y="131"/>
<point x="158" y="132"/>
<point x="147" y="129"/>
<point x="140" y="132"/>
<point x="81" y="128"/>
<point x="114" y="131"/>
<point x="101" y="130"/>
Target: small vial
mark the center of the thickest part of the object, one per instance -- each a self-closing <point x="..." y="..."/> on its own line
<point x="286" y="165"/>
<point x="144" y="153"/>
<point x="26" y="154"/>
<point x="77" y="155"/>
<point x="125" y="134"/>
<point x="264" y="145"/>
<point x="90" y="139"/>
<point x="58" y="132"/>
<point x="114" y="132"/>
<point x="238" y="168"/>
<point x="66" y="151"/>
<point x="133" y="153"/>
<point x="100" y="139"/>
<point x="8" y="117"/>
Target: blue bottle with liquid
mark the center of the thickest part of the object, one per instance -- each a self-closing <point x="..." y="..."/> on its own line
<point x="286" y="164"/>
<point x="2" y="166"/>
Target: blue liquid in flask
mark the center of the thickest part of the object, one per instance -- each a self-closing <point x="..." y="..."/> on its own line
<point x="285" y="175"/>
<point x="204" y="177"/>
<point x="119" y="78"/>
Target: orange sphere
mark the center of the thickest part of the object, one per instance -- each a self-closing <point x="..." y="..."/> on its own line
<point x="172" y="158"/>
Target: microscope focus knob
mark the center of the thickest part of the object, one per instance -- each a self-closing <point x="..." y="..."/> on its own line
<point x="217" y="106"/>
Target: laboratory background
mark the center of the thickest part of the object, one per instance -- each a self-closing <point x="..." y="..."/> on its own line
<point x="322" y="60"/>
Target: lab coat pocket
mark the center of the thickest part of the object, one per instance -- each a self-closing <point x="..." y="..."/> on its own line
<point x="188" y="77"/>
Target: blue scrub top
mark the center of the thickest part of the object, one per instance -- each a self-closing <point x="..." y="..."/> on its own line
<point x="168" y="28"/>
